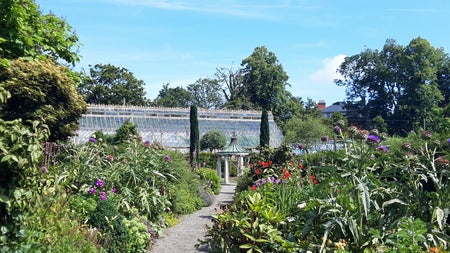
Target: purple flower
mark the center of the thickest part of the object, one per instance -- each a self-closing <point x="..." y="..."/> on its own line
<point x="383" y="148"/>
<point x="114" y="189"/>
<point x="448" y="140"/>
<point x="99" y="183"/>
<point x="168" y="158"/>
<point x="147" y="143"/>
<point x="93" y="140"/>
<point x="324" y="138"/>
<point x="337" y="130"/>
<point x="373" y="138"/>
<point x="103" y="195"/>
<point x="92" y="191"/>
<point x="301" y="147"/>
<point x="43" y="169"/>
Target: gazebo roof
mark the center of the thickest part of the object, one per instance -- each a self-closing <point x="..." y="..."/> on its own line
<point x="233" y="148"/>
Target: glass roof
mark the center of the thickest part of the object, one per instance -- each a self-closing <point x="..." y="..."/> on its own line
<point x="170" y="126"/>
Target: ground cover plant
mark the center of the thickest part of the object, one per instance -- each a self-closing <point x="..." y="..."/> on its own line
<point x="373" y="194"/>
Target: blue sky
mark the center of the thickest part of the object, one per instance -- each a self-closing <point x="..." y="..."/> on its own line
<point x="180" y="41"/>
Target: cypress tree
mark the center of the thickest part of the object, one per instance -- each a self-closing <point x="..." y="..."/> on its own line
<point x="194" y="137"/>
<point x="264" y="134"/>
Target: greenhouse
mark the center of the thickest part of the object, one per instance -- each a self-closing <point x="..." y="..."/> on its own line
<point x="171" y="126"/>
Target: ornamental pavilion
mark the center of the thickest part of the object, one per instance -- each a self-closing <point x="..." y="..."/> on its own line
<point x="232" y="151"/>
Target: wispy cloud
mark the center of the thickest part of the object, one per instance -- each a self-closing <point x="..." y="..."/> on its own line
<point x="260" y="9"/>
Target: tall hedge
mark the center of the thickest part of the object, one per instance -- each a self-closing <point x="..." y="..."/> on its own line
<point x="264" y="134"/>
<point x="194" y="147"/>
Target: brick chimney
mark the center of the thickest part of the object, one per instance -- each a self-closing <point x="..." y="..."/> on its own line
<point x="321" y="105"/>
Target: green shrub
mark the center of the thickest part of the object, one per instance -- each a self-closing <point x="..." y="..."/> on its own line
<point x="138" y="239"/>
<point x="109" y="222"/>
<point x="210" y="180"/>
<point x="185" y="201"/>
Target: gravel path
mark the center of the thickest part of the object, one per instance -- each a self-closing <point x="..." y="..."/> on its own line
<point x="183" y="237"/>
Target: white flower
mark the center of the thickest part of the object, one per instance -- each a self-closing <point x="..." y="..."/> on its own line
<point x="290" y="219"/>
<point x="301" y="205"/>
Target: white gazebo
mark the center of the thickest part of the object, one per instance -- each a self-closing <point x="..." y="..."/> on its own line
<point x="232" y="151"/>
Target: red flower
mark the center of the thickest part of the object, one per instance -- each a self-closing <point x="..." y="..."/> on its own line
<point x="258" y="172"/>
<point x="250" y="165"/>
<point x="292" y="163"/>
<point x="315" y="181"/>
<point x="312" y="177"/>
<point x="254" y="188"/>
<point x="286" y="174"/>
<point x="300" y="166"/>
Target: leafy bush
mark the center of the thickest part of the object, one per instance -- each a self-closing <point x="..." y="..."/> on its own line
<point x="109" y="222"/>
<point x="210" y="180"/>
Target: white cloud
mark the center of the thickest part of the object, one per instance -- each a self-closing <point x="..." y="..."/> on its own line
<point x="327" y="73"/>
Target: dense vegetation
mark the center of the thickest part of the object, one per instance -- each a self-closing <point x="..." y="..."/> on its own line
<point x="362" y="192"/>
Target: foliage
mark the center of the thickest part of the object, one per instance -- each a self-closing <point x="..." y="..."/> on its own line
<point x="194" y="137"/>
<point x="26" y="32"/>
<point x="126" y="132"/>
<point x="374" y="194"/>
<point x="42" y="91"/>
<point x="107" y="219"/>
<point x="210" y="180"/>
<point x="306" y="131"/>
<point x="264" y="78"/>
<point x="401" y="84"/>
<point x="213" y="140"/>
<point x="111" y="85"/>
<point x="264" y="132"/>
<point x="205" y="93"/>
<point x="173" y="97"/>
<point x="138" y="238"/>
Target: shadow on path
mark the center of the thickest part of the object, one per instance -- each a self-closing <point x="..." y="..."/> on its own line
<point x="182" y="237"/>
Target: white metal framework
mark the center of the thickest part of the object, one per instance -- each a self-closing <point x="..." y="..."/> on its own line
<point x="171" y="126"/>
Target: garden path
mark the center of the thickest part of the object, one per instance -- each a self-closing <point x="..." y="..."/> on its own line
<point x="182" y="237"/>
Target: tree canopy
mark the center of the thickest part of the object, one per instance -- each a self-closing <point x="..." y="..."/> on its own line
<point x="108" y="84"/>
<point x="213" y="140"/>
<point x="205" y="93"/>
<point x="26" y="32"/>
<point x="173" y="97"/>
<point x="401" y="84"/>
<point x="264" y="79"/>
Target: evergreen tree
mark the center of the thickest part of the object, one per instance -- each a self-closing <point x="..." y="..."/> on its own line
<point x="264" y="136"/>
<point x="194" y="137"/>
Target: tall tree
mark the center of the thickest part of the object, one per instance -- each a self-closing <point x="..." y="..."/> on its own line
<point x="264" y="133"/>
<point x="232" y="86"/>
<point x="173" y="97"/>
<point x="264" y="80"/>
<point x="25" y="32"/>
<point x="108" y="84"/>
<point x="206" y="93"/>
<point x="42" y="91"/>
<point x="194" y="147"/>
<point x="400" y="84"/>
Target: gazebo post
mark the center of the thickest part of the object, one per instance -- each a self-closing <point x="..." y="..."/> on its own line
<point x="219" y="166"/>
<point x="240" y="165"/>
<point x="227" y="172"/>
